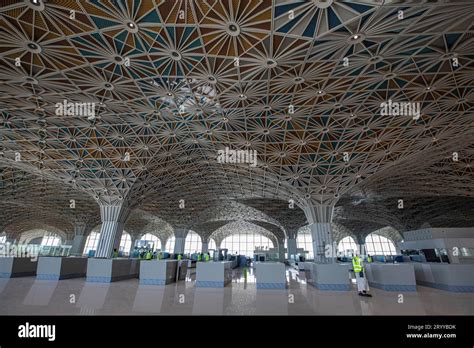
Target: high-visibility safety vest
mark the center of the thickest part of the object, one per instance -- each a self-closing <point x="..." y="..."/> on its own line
<point x="207" y="257"/>
<point x="357" y="264"/>
<point x="148" y="255"/>
<point x="116" y="254"/>
<point x="199" y="258"/>
<point x="369" y="259"/>
<point x="179" y="257"/>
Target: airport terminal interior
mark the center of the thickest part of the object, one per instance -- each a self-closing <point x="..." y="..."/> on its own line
<point x="236" y="157"/>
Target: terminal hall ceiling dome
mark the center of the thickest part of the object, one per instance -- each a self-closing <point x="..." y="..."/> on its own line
<point x="132" y="101"/>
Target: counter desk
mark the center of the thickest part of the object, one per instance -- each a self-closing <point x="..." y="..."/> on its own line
<point x="213" y="274"/>
<point x="56" y="267"/>
<point x="444" y="276"/>
<point x="391" y="276"/>
<point x="111" y="270"/>
<point x="11" y="267"/>
<point x="328" y="276"/>
<point x="270" y="275"/>
<point x="158" y="272"/>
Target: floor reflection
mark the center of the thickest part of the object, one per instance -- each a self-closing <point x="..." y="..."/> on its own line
<point x="28" y="296"/>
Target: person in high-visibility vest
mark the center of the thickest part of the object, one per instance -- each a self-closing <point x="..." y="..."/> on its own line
<point x="206" y="257"/>
<point x="358" y="267"/>
<point x="199" y="257"/>
<point x="180" y="257"/>
<point x="149" y="255"/>
<point x="369" y="259"/>
<point x="115" y="253"/>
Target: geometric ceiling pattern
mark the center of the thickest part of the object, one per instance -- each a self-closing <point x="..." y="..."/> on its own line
<point x="299" y="82"/>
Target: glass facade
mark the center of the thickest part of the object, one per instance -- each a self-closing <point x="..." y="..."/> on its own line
<point x="379" y="245"/>
<point x="193" y="243"/>
<point x="245" y="243"/>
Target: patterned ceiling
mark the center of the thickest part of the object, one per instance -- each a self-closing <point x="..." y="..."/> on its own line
<point x="299" y="82"/>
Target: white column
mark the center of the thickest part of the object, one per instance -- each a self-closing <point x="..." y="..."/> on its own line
<point x="205" y="247"/>
<point x="80" y="237"/>
<point x="319" y="218"/>
<point x="281" y="251"/>
<point x="322" y="242"/>
<point x="113" y="220"/>
<point x="179" y="245"/>
<point x="361" y="245"/>
<point x="291" y="243"/>
<point x="133" y="239"/>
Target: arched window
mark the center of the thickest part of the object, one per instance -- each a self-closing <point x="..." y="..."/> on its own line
<point x="152" y="238"/>
<point x="51" y="240"/>
<point x="212" y="244"/>
<point x="379" y="245"/>
<point x="347" y="246"/>
<point x="192" y="243"/>
<point x="125" y="243"/>
<point x="3" y="239"/>
<point x="92" y="242"/>
<point x="245" y="243"/>
<point x="304" y="240"/>
<point x="170" y="244"/>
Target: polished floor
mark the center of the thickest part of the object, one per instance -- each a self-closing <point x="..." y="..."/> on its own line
<point x="28" y="296"/>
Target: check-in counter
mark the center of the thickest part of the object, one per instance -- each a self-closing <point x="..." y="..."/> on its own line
<point x="308" y="272"/>
<point x="270" y="275"/>
<point x="158" y="272"/>
<point x="11" y="267"/>
<point x="443" y="276"/>
<point x="182" y="270"/>
<point x="391" y="276"/>
<point x="330" y="276"/>
<point x="213" y="274"/>
<point x="111" y="270"/>
<point x="234" y="263"/>
<point x="56" y="268"/>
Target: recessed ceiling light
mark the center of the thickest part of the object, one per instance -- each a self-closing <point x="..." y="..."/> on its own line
<point x="37" y="5"/>
<point x="271" y="63"/>
<point x="169" y="94"/>
<point x="355" y="38"/>
<point x="233" y="29"/>
<point x="131" y="27"/>
<point x="33" y="47"/>
<point x="175" y="55"/>
<point x="298" y="79"/>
